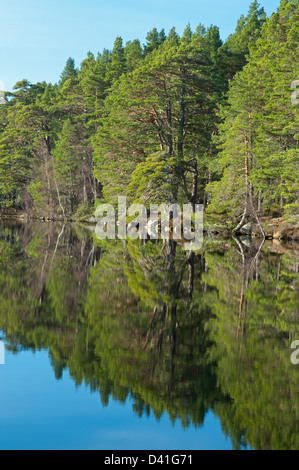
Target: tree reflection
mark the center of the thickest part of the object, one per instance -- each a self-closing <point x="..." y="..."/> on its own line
<point x="256" y="312"/>
<point x="175" y="332"/>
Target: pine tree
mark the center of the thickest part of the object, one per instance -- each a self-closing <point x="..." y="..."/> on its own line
<point x="259" y="135"/>
<point x="187" y="34"/>
<point x="212" y="43"/>
<point x="133" y="54"/>
<point x="117" y="66"/>
<point x="67" y="159"/>
<point x="94" y="82"/>
<point x="173" y="37"/>
<point x="161" y="116"/>
<point x="236" y="47"/>
<point x="24" y="122"/>
<point x="69" y="71"/>
<point x="154" y="39"/>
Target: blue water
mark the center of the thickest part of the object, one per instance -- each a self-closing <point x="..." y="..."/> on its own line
<point x="39" y="412"/>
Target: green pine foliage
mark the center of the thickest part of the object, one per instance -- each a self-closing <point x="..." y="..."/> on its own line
<point x="259" y="127"/>
<point x="175" y="119"/>
<point x="158" y="118"/>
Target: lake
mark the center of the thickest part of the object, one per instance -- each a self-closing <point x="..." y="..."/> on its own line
<point x="120" y="345"/>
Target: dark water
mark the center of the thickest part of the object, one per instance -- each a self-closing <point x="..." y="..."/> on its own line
<point x="113" y="345"/>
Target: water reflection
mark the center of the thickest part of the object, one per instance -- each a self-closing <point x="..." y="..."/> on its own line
<point x="176" y="332"/>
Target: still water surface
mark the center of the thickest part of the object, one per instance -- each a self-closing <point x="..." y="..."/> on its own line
<point x="113" y="345"/>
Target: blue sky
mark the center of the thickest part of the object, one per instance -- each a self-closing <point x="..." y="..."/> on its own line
<point x="37" y="37"/>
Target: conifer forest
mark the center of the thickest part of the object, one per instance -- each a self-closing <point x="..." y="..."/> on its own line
<point x="179" y="119"/>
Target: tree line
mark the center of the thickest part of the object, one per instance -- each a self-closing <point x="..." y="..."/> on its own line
<point x="185" y="118"/>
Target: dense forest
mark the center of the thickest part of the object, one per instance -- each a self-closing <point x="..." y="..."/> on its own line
<point x="187" y="118"/>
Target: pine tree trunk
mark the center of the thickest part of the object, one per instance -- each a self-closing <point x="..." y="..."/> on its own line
<point x="248" y="205"/>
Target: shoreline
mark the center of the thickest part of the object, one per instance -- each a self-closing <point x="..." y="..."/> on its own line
<point x="274" y="228"/>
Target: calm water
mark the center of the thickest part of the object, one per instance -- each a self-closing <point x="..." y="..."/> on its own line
<point x="113" y="345"/>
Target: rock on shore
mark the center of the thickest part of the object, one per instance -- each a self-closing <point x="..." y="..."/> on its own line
<point x="277" y="229"/>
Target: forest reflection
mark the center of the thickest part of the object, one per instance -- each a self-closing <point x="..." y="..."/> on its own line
<point x="176" y="332"/>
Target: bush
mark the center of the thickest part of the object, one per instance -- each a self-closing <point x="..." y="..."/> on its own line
<point x="83" y="212"/>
